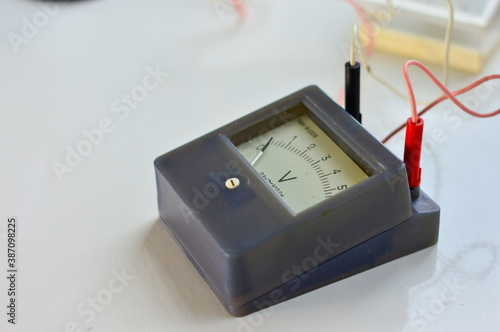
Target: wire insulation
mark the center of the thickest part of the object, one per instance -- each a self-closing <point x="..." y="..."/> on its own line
<point x="447" y="92"/>
<point x="447" y="39"/>
<point x="442" y="98"/>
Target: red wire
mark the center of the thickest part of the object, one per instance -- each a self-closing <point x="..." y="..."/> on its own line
<point x="447" y="92"/>
<point x="454" y="93"/>
<point x="240" y="7"/>
<point x="415" y="124"/>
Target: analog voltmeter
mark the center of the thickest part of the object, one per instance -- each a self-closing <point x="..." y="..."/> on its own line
<point x="287" y="199"/>
<point x="302" y="163"/>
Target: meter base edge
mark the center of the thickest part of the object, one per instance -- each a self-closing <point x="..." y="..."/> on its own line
<point x="416" y="233"/>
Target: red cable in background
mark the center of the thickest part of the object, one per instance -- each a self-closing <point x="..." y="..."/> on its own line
<point x="240" y="7"/>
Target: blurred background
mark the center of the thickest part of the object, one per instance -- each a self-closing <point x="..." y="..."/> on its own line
<point x="91" y="92"/>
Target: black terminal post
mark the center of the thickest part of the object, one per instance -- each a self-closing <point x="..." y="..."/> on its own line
<point x="352" y="78"/>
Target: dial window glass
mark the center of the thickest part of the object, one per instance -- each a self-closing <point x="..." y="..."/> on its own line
<point x="301" y="163"/>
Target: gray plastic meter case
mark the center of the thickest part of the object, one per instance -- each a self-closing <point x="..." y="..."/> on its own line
<point x="287" y="199"/>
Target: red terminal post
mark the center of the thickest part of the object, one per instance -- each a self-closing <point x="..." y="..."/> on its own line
<point x="415" y="124"/>
<point x="413" y="147"/>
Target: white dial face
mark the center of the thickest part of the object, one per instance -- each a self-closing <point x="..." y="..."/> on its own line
<point x="301" y="163"/>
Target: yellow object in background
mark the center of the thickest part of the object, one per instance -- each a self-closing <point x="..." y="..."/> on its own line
<point x="417" y="29"/>
<point x="429" y="50"/>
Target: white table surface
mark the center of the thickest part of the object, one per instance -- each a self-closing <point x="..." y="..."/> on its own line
<point x="101" y="219"/>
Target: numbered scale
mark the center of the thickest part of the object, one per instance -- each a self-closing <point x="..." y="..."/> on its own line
<point x="287" y="199"/>
<point x="302" y="163"/>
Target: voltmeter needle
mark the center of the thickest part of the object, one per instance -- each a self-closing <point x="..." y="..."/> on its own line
<point x="261" y="152"/>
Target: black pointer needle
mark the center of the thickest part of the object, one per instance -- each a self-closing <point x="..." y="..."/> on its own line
<point x="261" y="152"/>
